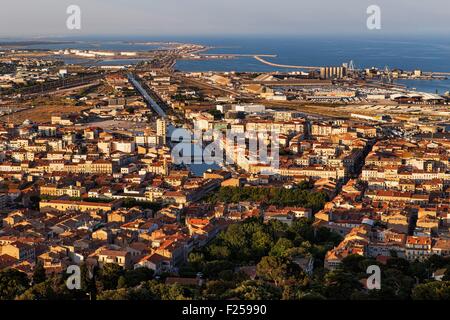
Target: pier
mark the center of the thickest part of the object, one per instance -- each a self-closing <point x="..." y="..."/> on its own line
<point x="260" y="59"/>
<point x="239" y="55"/>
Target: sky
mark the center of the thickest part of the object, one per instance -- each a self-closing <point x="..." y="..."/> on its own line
<point x="46" y="18"/>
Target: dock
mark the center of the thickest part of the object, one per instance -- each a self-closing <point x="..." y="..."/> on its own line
<point x="260" y="59"/>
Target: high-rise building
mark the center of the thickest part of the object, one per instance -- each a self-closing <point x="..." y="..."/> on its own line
<point x="161" y="131"/>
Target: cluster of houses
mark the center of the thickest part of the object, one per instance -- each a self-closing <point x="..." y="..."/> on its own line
<point x="398" y="206"/>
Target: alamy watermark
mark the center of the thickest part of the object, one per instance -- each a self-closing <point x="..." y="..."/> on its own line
<point x="73" y="22"/>
<point x="374" y="280"/>
<point x="374" y="19"/>
<point x="73" y="282"/>
<point x="226" y="147"/>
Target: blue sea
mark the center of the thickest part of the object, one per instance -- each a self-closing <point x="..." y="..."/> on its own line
<point x="425" y="54"/>
<point x="431" y="86"/>
<point x="406" y="53"/>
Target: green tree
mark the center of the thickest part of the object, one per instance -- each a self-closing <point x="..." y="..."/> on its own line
<point x="437" y="290"/>
<point x="119" y="294"/>
<point x="133" y="278"/>
<point x="12" y="284"/>
<point x="256" y="290"/>
<point x="310" y="295"/>
<point x="213" y="268"/>
<point x="88" y="283"/>
<point x="261" y="242"/>
<point x="54" y="288"/>
<point x="419" y="271"/>
<point x="218" y="252"/>
<point x="296" y="289"/>
<point x="301" y="230"/>
<point x="340" y="285"/>
<point x="139" y="293"/>
<point x="325" y="235"/>
<point x="436" y="262"/>
<point x="281" y="248"/>
<point x="197" y="259"/>
<point x="278" y="228"/>
<point x="395" y="285"/>
<point x="447" y="274"/>
<point x="244" y="242"/>
<point x="109" y="276"/>
<point x="39" y="273"/>
<point x="353" y="263"/>
<point x="121" y="283"/>
<point x="217" y="289"/>
<point x="160" y="291"/>
<point x="277" y="269"/>
<point x="276" y="196"/>
<point x="398" y="264"/>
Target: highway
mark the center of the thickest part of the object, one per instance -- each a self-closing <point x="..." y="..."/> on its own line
<point x="153" y="104"/>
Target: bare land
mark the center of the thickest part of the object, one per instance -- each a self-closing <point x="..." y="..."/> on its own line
<point x="42" y="114"/>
